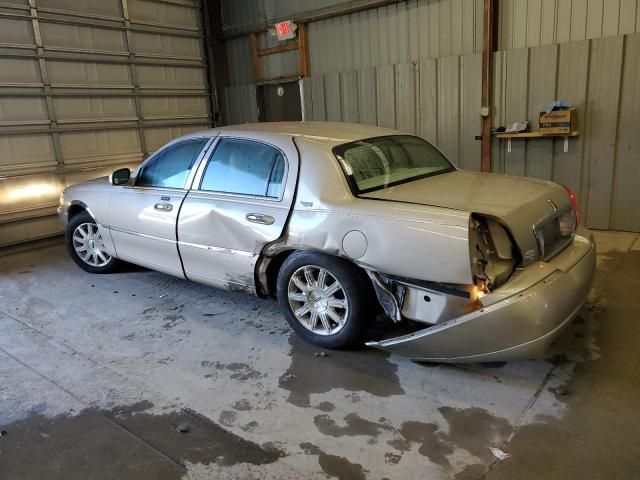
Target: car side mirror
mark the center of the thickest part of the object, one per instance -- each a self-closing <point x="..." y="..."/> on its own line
<point x="120" y="176"/>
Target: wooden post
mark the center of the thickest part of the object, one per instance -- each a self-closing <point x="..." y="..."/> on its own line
<point x="303" y="50"/>
<point x="255" y="57"/>
<point x="489" y="24"/>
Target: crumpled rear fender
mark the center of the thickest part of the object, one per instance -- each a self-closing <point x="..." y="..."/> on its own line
<point x="520" y="322"/>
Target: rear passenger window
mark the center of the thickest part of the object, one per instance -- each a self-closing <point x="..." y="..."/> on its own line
<point x="245" y="167"/>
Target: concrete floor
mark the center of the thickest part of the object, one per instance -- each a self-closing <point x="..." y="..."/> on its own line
<point x="97" y="373"/>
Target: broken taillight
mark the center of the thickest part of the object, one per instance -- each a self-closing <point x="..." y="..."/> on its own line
<point x="574" y="202"/>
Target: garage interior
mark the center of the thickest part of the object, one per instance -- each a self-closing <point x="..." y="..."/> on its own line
<point x="138" y="374"/>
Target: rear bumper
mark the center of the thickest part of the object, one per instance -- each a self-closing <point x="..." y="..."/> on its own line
<point x="519" y="320"/>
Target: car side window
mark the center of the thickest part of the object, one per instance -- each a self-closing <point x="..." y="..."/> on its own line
<point x="245" y="167"/>
<point x="171" y="167"/>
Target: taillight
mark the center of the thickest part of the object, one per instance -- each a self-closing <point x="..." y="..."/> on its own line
<point x="574" y="202"/>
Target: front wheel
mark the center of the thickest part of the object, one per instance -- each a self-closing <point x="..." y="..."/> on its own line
<point x="86" y="246"/>
<point x="325" y="299"/>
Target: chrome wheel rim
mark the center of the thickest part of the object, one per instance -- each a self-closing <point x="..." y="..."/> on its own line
<point x="318" y="300"/>
<point x="89" y="246"/>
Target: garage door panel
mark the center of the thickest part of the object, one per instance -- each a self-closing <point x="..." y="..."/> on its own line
<point x="97" y="111"/>
<point x="17" y="2"/>
<point x="24" y="151"/>
<point x="163" y="76"/>
<point x="23" y="109"/>
<point x="87" y="146"/>
<point x="29" y="229"/>
<point x="27" y="192"/>
<point x="16" y="31"/>
<point x="88" y="73"/>
<point x="20" y="70"/>
<point x="174" y="106"/>
<point x="75" y="36"/>
<point x="165" y="13"/>
<point x="87" y="108"/>
<point x="154" y="44"/>
<point x="158" y="136"/>
<point x="112" y="8"/>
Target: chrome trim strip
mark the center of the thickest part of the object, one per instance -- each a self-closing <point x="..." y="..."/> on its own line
<point x="230" y="251"/>
<point x="136" y="234"/>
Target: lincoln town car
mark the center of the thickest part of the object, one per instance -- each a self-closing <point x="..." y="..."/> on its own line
<point x="345" y="225"/>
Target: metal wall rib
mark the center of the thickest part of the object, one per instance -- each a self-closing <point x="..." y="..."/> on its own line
<point x="86" y="87"/>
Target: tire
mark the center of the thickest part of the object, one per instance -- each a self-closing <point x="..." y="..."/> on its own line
<point x="331" y="309"/>
<point x="82" y="232"/>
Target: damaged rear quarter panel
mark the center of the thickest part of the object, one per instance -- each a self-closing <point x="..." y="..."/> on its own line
<point x="414" y="241"/>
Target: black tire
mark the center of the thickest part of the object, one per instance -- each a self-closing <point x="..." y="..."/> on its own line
<point x="76" y="221"/>
<point x="355" y="288"/>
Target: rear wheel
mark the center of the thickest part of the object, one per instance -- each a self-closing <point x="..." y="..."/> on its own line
<point x="325" y="299"/>
<point x="86" y="246"/>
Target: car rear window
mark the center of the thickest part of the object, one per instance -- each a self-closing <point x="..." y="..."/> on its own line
<point x="382" y="162"/>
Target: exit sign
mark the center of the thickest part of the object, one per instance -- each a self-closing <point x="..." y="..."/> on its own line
<point x="286" y="30"/>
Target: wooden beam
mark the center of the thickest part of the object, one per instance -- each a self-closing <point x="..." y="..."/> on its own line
<point x="290" y="76"/>
<point x="285" y="47"/>
<point x="303" y="50"/>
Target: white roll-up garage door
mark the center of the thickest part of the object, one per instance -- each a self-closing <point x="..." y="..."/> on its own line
<point x="87" y="86"/>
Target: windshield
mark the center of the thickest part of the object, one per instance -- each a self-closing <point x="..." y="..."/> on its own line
<point x="381" y="162"/>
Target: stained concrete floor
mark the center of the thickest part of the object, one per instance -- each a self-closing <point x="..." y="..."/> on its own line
<point x="98" y="374"/>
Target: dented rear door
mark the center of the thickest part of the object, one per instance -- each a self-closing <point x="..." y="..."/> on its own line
<point x="240" y="201"/>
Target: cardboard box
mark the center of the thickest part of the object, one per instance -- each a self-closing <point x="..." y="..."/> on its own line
<point x="558" y="121"/>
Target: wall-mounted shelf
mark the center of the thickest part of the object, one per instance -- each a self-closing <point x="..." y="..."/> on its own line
<point x="533" y="135"/>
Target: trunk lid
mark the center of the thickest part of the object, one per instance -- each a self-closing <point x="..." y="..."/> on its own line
<point x="518" y="203"/>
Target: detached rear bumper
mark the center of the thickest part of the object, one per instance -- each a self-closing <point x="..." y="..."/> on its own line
<point x="519" y="320"/>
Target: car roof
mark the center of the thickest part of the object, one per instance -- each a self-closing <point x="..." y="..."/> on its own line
<point x="326" y="134"/>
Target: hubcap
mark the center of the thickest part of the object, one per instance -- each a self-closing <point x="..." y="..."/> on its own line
<point x="88" y="244"/>
<point x="318" y="300"/>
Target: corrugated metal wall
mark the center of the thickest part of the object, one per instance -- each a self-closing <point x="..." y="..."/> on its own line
<point x="416" y="66"/>
<point x="86" y="87"/>
<point x="602" y="78"/>
<point x="439" y="99"/>
<point x="529" y="23"/>
<point x="419" y="29"/>
<point x="407" y="31"/>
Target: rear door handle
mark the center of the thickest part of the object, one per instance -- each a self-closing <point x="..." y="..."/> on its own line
<point x="260" y="218"/>
<point x="163" y="207"/>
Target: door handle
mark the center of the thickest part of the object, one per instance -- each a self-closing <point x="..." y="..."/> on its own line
<point x="260" y="218"/>
<point x="163" y="207"/>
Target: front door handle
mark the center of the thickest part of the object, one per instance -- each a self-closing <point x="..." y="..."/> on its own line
<point x="163" y="207"/>
<point x="260" y="218"/>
